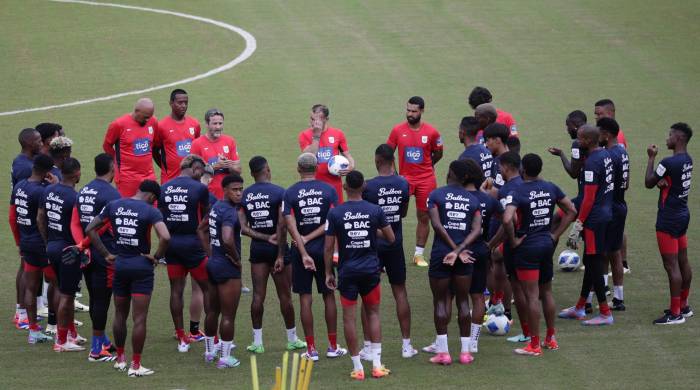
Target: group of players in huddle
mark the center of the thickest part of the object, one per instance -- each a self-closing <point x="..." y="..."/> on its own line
<point x="495" y="222"/>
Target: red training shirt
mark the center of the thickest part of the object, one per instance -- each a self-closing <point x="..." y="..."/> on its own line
<point x="131" y="145"/>
<point x="332" y="143"/>
<point x="415" y="149"/>
<point x="506" y="118"/>
<point x="211" y="152"/>
<point x="175" y="138"/>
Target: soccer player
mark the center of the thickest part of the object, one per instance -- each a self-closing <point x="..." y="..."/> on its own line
<point x="674" y="173"/>
<point x="218" y="150"/>
<point x="129" y="140"/>
<point x="54" y="223"/>
<point x="306" y="205"/>
<point x="616" y="228"/>
<point x="481" y="95"/>
<point x="355" y="224"/>
<point x="24" y="205"/>
<point x="420" y="147"/>
<point x="391" y="192"/>
<point x="30" y="141"/>
<point x="486" y="115"/>
<point x="221" y="235"/>
<point x="325" y="142"/>
<point x="473" y="149"/>
<point x="455" y="215"/>
<point x="496" y="139"/>
<point x="48" y="132"/>
<point x="183" y="201"/>
<point x="131" y="220"/>
<point x="262" y="220"/>
<point x="532" y="240"/>
<point x="594" y="215"/>
<point x="174" y="137"/>
<point x="573" y="122"/>
<point x="99" y="274"/>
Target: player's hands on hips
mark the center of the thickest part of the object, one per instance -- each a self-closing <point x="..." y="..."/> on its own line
<point x="330" y="281"/>
<point x="150" y="257"/>
<point x="554" y="151"/>
<point x="652" y="150"/>
<point x="236" y="263"/>
<point x="466" y="256"/>
<point x="272" y="239"/>
<point x="662" y="183"/>
<point x="279" y="265"/>
<point x="518" y="241"/>
<point x="308" y="262"/>
<point x="110" y="258"/>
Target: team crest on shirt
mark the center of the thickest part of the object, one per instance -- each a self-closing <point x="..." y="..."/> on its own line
<point x="226" y="149"/>
<point x="331" y="139"/>
<point x="439" y="141"/>
<point x="191" y="130"/>
<point x="424" y="139"/>
<point x="150" y="129"/>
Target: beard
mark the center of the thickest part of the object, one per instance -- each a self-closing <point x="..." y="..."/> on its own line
<point x="413" y="119"/>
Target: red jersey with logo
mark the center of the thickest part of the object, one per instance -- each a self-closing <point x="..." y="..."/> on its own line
<point x="175" y="140"/>
<point x="212" y="152"/>
<point x="621" y="139"/>
<point x="415" y="148"/>
<point x="131" y="145"/>
<point x="332" y="143"/>
<point x="506" y="118"/>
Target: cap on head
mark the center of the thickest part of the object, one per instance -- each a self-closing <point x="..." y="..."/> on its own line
<point x="307" y="162"/>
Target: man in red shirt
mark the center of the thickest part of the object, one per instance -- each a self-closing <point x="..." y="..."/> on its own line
<point x="218" y="150"/>
<point x="129" y="140"/>
<point x="481" y="95"/>
<point x="325" y="142"/>
<point x="175" y="134"/>
<point x="420" y="148"/>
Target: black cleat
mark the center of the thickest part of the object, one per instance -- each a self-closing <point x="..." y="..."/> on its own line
<point x="669" y="319"/>
<point x="686" y="312"/>
<point x="618" y="305"/>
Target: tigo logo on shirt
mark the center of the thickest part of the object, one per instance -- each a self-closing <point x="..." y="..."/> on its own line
<point x="324" y="154"/>
<point x="142" y="146"/>
<point x="183" y="147"/>
<point x="413" y="155"/>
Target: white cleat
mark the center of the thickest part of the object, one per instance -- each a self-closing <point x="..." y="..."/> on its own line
<point x="408" y="352"/>
<point x="430" y="348"/>
<point x="68" y="346"/>
<point x="183" y="346"/>
<point x="77" y="323"/>
<point x="141" y="371"/>
<point x="337" y="352"/>
<point x="120" y="366"/>
<point x="78" y="339"/>
<point x="50" y="330"/>
<point x="80" y="307"/>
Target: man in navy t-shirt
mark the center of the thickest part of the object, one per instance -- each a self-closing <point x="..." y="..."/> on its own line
<point x="673" y="175"/>
<point x="184" y="201"/>
<point x="354" y="225"/>
<point x="260" y="214"/>
<point x="132" y="220"/>
<point x="305" y="207"/>
<point x="468" y="131"/>
<point x="532" y="240"/>
<point x="391" y="192"/>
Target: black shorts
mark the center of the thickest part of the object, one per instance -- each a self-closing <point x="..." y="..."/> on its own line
<point x="616" y="229"/>
<point x="393" y="259"/>
<point x="185" y="250"/>
<point x="132" y="276"/>
<point x="302" y="279"/>
<point x="221" y="270"/>
<point x="481" y="267"/>
<point x="352" y="286"/>
<point x="547" y="270"/>
<point x="439" y="270"/>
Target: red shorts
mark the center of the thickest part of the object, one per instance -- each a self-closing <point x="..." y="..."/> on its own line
<point x="49" y="272"/>
<point x="128" y="188"/>
<point x="421" y="188"/>
<point x="669" y="245"/>
<point x="178" y="271"/>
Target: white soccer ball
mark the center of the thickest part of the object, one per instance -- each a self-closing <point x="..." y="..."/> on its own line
<point x="569" y="261"/>
<point x="497" y="325"/>
<point x="337" y="163"/>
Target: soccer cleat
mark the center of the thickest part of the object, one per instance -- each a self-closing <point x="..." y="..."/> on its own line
<point x="38" y="337"/>
<point x="141" y="371"/>
<point x="103" y="356"/>
<point x="120" y="365"/>
<point x="443" y="358"/>
<point x="245" y="290"/>
<point x="669" y="319"/>
<point x="294" y="345"/>
<point x="465" y="358"/>
<point x="77" y="323"/>
<point x="380" y="372"/>
<point x="496" y="309"/>
<point x="432" y="348"/>
<point x="22" y="325"/>
<point x="78" y="339"/>
<point x="337" y="352"/>
<point x="68" y="346"/>
<point x="408" y="352"/>
<point x="607" y="291"/>
<point x="551" y="344"/>
<point x="80" y="307"/>
<point x="358" y="375"/>
<point x="618" y="305"/>
<point x="209" y="357"/>
<point x="51" y="330"/>
<point x="529" y="350"/>
<point x="196" y="337"/>
<point x="599" y="320"/>
<point x="687" y="312"/>
<point x="183" y="346"/>
<point x="626" y="269"/>
<point x="229" y="362"/>
<point x="573" y="313"/>
<point x="42" y="311"/>
<point x="313" y="355"/>
<point x="519" y="339"/>
<point x="254" y="348"/>
<point x="419" y="260"/>
<point x="366" y="354"/>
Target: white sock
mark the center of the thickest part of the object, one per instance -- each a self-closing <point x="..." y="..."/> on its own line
<point x="618" y="292"/>
<point x="376" y="355"/>
<point x="590" y="297"/>
<point x="292" y="335"/>
<point x="476" y="331"/>
<point x="465" y="343"/>
<point x="605" y="278"/>
<point x="17" y="308"/>
<point x="22" y="314"/>
<point x="44" y="293"/>
<point x="257" y="337"/>
<point x="367" y="344"/>
<point x="406" y="343"/>
<point x="209" y="344"/>
<point x="419" y="250"/>
<point x="441" y="343"/>
<point x="226" y="349"/>
<point x="356" y="363"/>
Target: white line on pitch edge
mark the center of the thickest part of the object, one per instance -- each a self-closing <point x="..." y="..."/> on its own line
<point x="250" y="46"/>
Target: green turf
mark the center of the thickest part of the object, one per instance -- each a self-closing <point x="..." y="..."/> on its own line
<point x="364" y="59"/>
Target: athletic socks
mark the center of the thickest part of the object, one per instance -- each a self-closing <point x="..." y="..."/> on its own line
<point x="465" y="341"/>
<point x="194" y="327"/>
<point x="589" y="300"/>
<point x="292" y="335"/>
<point x="497" y="297"/>
<point x="441" y="343"/>
<point x="684" y="298"/>
<point x="226" y="349"/>
<point x="406" y="343"/>
<point x="120" y="354"/>
<point x="419" y="250"/>
<point x="525" y="328"/>
<point x="209" y="344"/>
<point x="310" y="344"/>
<point x="475" y="332"/>
<point x="72" y="330"/>
<point x="604" y="308"/>
<point x="550" y="333"/>
<point x="52" y="317"/>
<point x="618" y="293"/>
<point x="180" y="334"/>
<point x="332" y="341"/>
<point x="136" y="360"/>
<point x="356" y="363"/>
<point x="376" y="355"/>
<point x="22" y="313"/>
<point x="96" y="346"/>
<point x="676" y="306"/>
<point x="257" y="337"/>
<point x="62" y="335"/>
<point x="535" y="342"/>
<point x="605" y="279"/>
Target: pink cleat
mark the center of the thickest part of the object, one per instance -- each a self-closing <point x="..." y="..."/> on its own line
<point x="599" y="320"/>
<point x="465" y="358"/>
<point x="443" y="358"/>
<point x="573" y="313"/>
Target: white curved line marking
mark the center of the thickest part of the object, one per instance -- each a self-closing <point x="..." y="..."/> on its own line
<point x="250" y="46"/>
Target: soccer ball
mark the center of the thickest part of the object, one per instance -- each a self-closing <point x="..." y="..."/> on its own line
<point x="569" y="261"/>
<point x="497" y="325"/>
<point x="337" y="163"/>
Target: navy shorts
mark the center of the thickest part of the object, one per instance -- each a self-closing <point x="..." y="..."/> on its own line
<point x="303" y="279"/>
<point x="439" y="270"/>
<point x="221" y="270"/>
<point x="594" y="239"/>
<point x="133" y="275"/>
<point x="98" y="276"/>
<point x="69" y="274"/>
<point x="350" y="287"/>
<point x="616" y="229"/>
<point x="393" y="259"/>
<point x="264" y="252"/>
<point x="529" y="255"/>
<point x="185" y="250"/>
<point x="508" y="260"/>
<point x="34" y="255"/>
<point x="481" y="268"/>
<point x="547" y="269"/>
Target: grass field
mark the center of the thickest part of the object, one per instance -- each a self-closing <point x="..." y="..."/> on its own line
<point x="364" y="59"/>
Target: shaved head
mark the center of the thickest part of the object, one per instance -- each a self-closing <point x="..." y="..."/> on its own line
<point x="144" y="104"/>
<point x="588" y="136"/>
<point x="143" y="110"/>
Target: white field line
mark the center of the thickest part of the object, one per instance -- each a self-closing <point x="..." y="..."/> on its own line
<point x="250" y="46"/>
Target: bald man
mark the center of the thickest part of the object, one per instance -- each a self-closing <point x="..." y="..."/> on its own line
<point x="485" y="114"/>
<point x="129" y="140"/>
